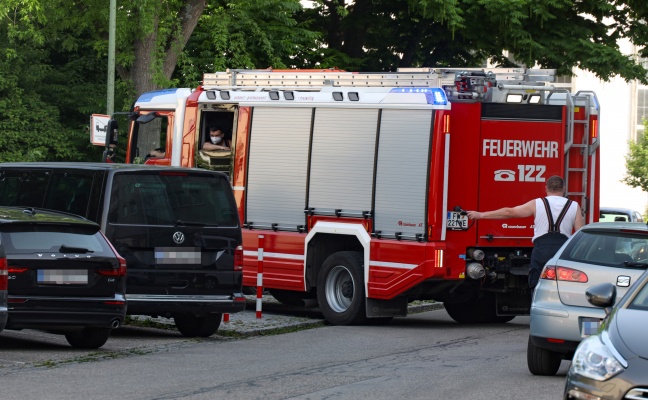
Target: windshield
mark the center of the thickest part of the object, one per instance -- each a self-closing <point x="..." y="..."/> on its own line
<point x="172" y="199"/>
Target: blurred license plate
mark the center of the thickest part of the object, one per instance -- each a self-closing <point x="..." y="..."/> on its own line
<point x="178" y="255"/>
<point x="62" y="276"/>
<point x="589" y="326"/>
<point x="456" y="221"/>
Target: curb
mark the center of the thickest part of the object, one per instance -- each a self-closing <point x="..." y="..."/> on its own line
<point x="276" y="318"/>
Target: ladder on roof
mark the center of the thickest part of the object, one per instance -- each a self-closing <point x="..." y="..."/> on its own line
<point x="587" y="100"/>
<point x="404" y="77"/>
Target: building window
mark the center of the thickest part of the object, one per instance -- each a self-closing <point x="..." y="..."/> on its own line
<point x="642" y="106"/>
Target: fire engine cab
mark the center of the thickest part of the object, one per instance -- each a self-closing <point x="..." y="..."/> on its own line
<point x="352" y="187"/>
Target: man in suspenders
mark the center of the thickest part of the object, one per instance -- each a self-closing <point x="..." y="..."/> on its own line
<point x="556" y="218"/>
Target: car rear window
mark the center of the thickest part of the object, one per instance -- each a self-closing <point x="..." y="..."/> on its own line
<point x="165" y="199"/>
<point x="32" y="238"/>
<point x="607" y="247"/>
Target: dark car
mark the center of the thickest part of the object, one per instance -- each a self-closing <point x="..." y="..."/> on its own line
<point x="177" y="228"/>
<point x="613" y="363"/>
<point x="3" y="287"/>
<point x="64" y="275"/>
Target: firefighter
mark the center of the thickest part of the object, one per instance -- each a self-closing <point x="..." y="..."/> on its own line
<point x="548" y="236"/>
<point x="217" y="140"/>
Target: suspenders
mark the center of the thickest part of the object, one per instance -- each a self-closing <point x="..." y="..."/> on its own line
<point x="555" y="227"/>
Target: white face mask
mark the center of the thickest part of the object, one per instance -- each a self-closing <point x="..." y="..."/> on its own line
<point x="215" y="139"/>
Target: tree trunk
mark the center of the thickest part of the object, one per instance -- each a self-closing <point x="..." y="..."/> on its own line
<point x="143" y="70"/>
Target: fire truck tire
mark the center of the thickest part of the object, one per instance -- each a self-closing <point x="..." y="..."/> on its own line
<point x="466" y="312"/>
<point x="542" y="361"/>
<point x="340" y="289"/>
<point x="476" y="310"/>
<point x="290" y="298"/>
<point x="197" y="326"/>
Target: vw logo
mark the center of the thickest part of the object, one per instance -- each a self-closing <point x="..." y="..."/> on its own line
<point x="178" y="237"/>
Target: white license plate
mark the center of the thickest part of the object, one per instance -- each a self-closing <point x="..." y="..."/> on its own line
<point x="456" y="221"/>
<point x="62" y="276"/>
<point x="589" y="326"/>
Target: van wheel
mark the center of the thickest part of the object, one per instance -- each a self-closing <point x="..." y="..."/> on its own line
<point x="198" y="326"/>
<point x="542" y="361"/>
<point x="88" y="338"/>
<point x="340" y="289"/>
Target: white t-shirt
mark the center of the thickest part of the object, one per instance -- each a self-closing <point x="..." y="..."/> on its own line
<point x="556" y="204"/>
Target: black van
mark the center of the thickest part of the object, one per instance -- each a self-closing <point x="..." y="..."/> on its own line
<point x="177" y="228"/>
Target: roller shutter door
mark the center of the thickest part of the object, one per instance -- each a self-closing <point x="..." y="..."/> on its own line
<point x="402" y="172"/>
<point x="342" y="160"/>
<point x="278" y="163"/>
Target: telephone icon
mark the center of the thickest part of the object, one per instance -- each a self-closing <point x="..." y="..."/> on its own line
<point x="504" y="175"/>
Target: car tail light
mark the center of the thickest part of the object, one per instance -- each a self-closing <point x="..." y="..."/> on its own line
<point x="121" y="271"/>
<point x="3" y="274"/>
<point x="554" y="273"/>
<point x="238" y="259"/>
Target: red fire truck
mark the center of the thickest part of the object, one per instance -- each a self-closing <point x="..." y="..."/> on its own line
<point x="352" y="186"/>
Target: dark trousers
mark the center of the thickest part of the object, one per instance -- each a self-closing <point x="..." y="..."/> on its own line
<point x="544" y="247"/>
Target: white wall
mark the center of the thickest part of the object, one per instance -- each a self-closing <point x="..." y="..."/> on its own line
<point x="616" y="99"/>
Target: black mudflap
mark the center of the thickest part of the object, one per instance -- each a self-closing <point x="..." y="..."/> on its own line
<point x="513" y="304"/>
<point x="387" y="308"/>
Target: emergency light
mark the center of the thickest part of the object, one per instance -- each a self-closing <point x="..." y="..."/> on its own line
<point x="434" y="96"/>
<point x="151" y="95"/>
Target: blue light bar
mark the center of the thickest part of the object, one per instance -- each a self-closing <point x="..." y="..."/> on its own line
<point x="434" y="96"/>
<point x="148" y="96"/>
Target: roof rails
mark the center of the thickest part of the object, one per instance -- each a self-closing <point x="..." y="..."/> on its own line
<point x="265" y="79"/>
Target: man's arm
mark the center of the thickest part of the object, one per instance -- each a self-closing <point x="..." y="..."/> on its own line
<point x="210" y="146"/>
<point x="524" y="210"/>
<point x="579" y="221"/>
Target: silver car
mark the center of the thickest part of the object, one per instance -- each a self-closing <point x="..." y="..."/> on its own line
<point x="561" y="316"/>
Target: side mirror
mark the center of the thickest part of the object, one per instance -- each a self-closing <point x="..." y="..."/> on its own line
<point x="602" y="295"/>
<point x="112" y="133"/>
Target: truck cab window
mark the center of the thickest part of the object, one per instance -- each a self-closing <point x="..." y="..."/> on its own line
<point x="150" y="139"/>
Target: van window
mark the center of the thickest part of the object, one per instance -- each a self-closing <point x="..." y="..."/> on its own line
<point x="60" y="191"/>
<point x="26" y="190"/>
<point x="159" y="199"/>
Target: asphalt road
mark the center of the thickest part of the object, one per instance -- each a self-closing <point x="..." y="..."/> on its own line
<point x="423" y="356"/>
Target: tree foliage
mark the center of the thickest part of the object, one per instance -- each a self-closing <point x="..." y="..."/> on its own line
<point x="381" y="35"/>
<point x="637" y="161"/>
<point x="53" y="53"/>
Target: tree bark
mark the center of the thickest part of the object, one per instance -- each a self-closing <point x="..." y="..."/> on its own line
<point x="145" y="51"/>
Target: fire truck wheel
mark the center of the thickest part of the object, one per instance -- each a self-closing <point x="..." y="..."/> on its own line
<point x="290" y="298"/>
<point x="340" y="289"/>
<point x="542" y="361"/>
<point x="194" y="326"/>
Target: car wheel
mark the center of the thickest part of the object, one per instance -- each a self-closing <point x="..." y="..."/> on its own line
<point x="198" y="326"/>
<point x="542" y="361"/>
<point x="340" y="289"/>
<point x="88" y="338"/>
